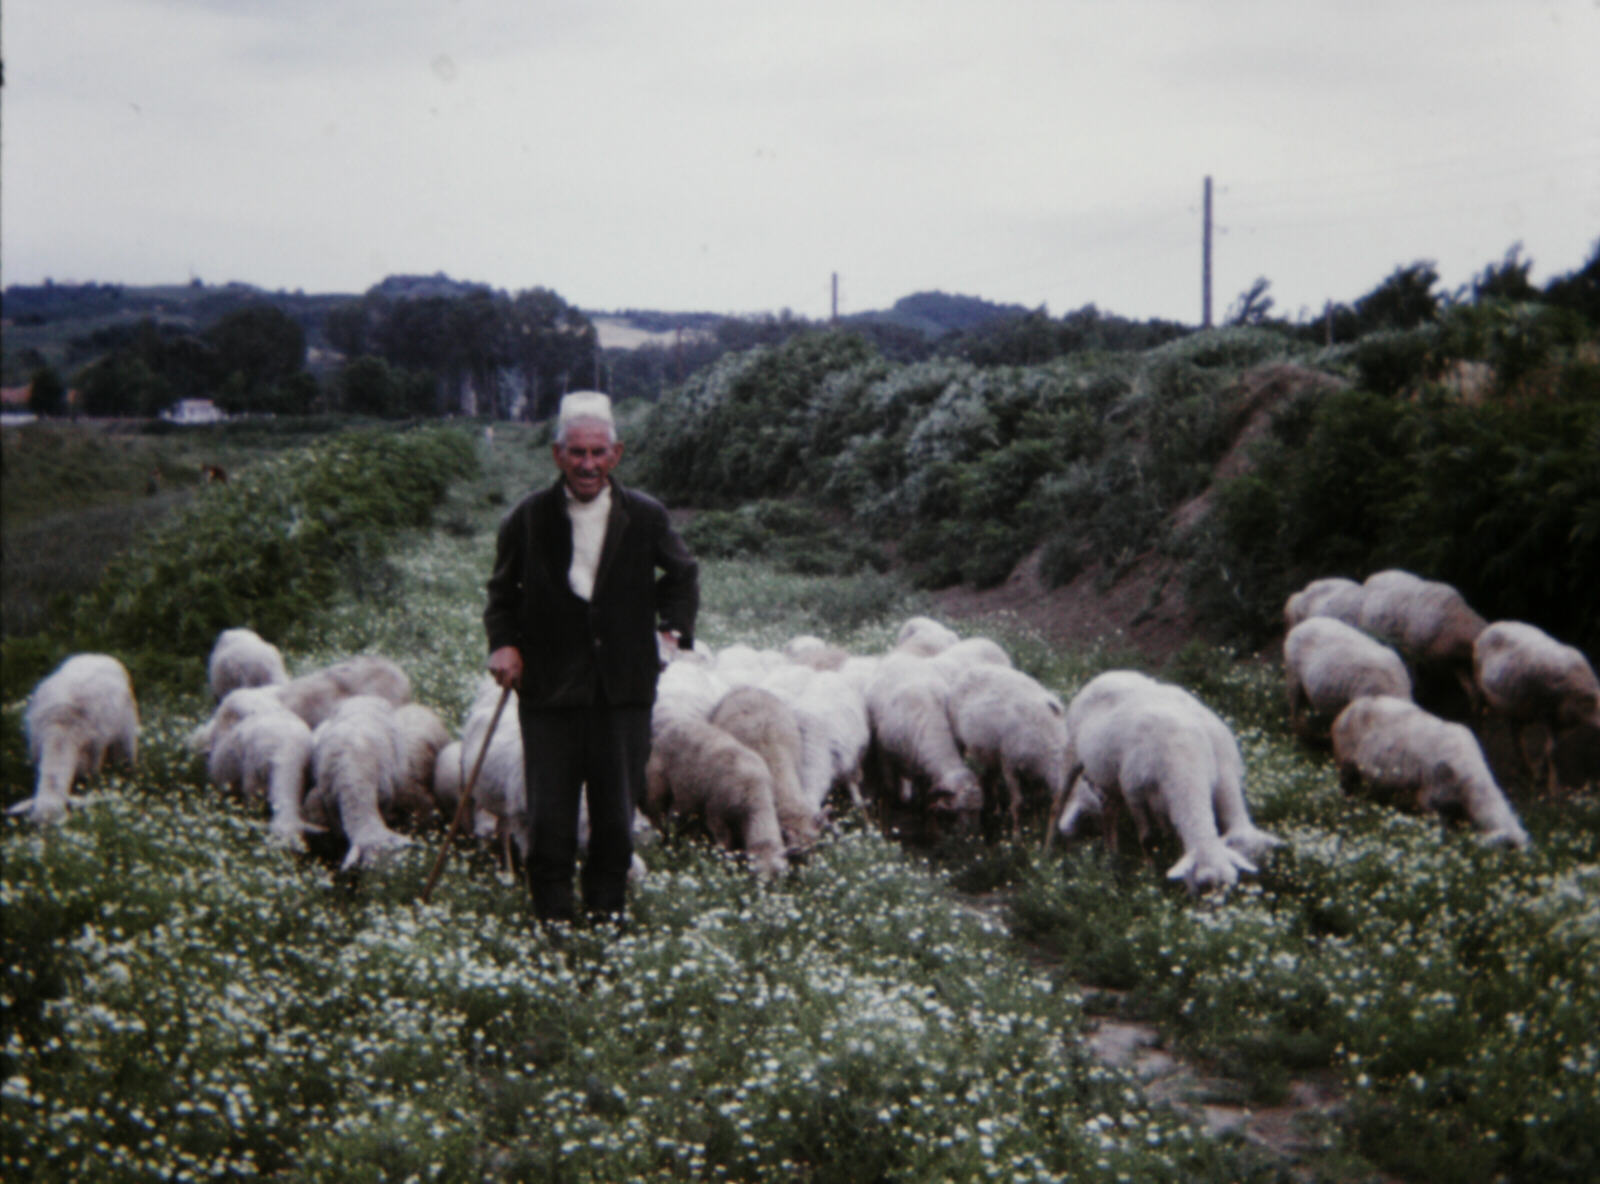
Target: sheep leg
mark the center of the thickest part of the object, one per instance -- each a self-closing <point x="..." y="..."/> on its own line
<point x="1298" y="704"/>
<point x="853" y="785"/>
<point x="1057" y="805"/>
<point x="1014" y="795"/>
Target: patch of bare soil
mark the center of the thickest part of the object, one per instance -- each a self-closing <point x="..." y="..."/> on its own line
<point x="1140" y="607"/>
<point x="1295" y="1131"/>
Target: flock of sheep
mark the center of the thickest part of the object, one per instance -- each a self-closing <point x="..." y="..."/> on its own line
<point x="753" y="746"/>
<point x="1355" y="653"/>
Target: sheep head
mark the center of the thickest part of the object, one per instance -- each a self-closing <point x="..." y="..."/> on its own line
<point x="1211" y="866"/>
<point x="957" y="792"/>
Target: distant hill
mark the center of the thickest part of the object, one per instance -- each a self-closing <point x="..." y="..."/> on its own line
<point x="934" y="314"/>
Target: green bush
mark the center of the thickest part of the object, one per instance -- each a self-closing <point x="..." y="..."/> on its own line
<point x="1500" y="499"/>
<point x="268" y="548"/>
<point x="794" y="538"/>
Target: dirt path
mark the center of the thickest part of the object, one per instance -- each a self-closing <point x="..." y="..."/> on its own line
<point x="1299" y="1132"/>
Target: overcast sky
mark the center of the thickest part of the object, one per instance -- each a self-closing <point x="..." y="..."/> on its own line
<point x="701" y="155"/>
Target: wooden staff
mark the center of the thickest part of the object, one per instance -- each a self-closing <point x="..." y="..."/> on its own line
<point x="466" y="796"/>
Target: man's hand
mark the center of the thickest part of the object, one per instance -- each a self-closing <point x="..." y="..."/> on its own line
<point x="666" y="646"/>
<point x="505" y="666"/>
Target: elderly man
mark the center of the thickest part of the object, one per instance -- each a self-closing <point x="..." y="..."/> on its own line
<point x="575" y="608"/>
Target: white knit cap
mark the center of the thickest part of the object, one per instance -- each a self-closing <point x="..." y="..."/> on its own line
<point x="591" y="405"/>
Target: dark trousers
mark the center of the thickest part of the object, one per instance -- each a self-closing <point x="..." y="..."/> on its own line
<point x="604" y="748"/>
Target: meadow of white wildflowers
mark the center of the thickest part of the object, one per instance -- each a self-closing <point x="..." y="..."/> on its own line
<point x="184" y="1002"/>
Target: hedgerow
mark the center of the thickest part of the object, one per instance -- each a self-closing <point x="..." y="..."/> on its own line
<point x="263" y="551"/>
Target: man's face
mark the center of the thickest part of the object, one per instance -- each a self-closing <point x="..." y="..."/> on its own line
<point x="587" y="458"/>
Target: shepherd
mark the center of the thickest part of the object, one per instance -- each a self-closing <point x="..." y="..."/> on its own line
<point x="591" y="587"/>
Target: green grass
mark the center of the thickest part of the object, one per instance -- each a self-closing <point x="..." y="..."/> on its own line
<point x="74" y="496"/>
<point x="183" y="1002"/>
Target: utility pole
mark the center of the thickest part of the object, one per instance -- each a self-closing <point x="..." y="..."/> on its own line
<point x="835" y="298"/>
<point x="1205" y="264"/>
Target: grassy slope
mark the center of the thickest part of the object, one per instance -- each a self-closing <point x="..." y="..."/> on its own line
<point x="73" y="495"/>
<point x="180" y="998"/>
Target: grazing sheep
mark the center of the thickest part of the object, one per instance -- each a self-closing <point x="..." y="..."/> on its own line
<point x="79" y="714"/>
<point x="908" y="706"/>
<point x="767" y="726"/>
<point x="1007" y="723"/>
<point x="266" y="754"/>
<point x="420" y="736"/>
<point x="447" y="778"/>
<point x="1431" y="625"/>
<point x="859" y="671"/>
<point x="1530" y="678"/>
<point x="686" y="690"/>
<point x="313" y="697"/>
<point x="242" y="658"/>
<point x="1327" y="663"/>
<point x="924" y="637"/>
<point x="955" y="660"/>
<point x="500" y="797"/>
<point x="743" y="665"/>
<point x="1166" y="755"/>
<point x="1397" y="748"/>
<point x="236" y="706"/>
<point x="834" y="730"/>
<point x="355" y="767"/>
<point x="696" y="770"/>
<point x="1334" y="597"/>
<point x="815" y="653"/>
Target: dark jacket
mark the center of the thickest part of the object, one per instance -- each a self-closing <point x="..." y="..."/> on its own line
<point x="571" y="648"/>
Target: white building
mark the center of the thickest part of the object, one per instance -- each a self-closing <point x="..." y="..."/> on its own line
<point x="188" y="411"/>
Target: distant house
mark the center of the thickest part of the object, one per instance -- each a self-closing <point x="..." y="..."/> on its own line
<point x="190" y="411"/>
<point x="15" y="398"/>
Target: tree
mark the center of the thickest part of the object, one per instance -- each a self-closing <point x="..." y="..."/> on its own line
<point x="124" y="385"/>
<point x="47" y="394"/>
<point x="261" y="342"/>
<point x="1403" y="301"/>
<point x="1579" y="291"/>
<point x="367" y="387"/>
<point x="1507" y="280"/>
<point x="1253" y="304"/>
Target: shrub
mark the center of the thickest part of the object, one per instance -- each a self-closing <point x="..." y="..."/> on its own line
<point x="795" y="538"/>
<point x="266" y="549"/>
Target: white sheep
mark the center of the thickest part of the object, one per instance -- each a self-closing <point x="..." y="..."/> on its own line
<point x="243" y="658"/>
<point x="236" y="706"/>
<point x="265" y="754"/>
<point x="79" y="714"/>
<point x="924" y="637"/>
<point x="355" y="765"/>
<point x="686" y="690"/>
<point x="500" y="796"/>
<point x="1008" y="724"/>
<point x="1327" y="663"/>
<point x="955" y="660"/>
<point x="313" y="697"/>
<point x="743" y="665"/>
<point x="698" y="771"/>
<point x="766" y="725"/>
<point x="1335" y="597"/>
<point x="1397" y="748"/>
<point x="1530" y="678"/>
<point x="420" y="737"/>
<point x="908" y="706"/>
<point x="447" y="778"/>
<point x="811" y="651"/>
<point x="1429" y="622"/>
<point x="859" y="671"/>
<point x="835" y="732"/>
<point x="1167" y="756"/>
